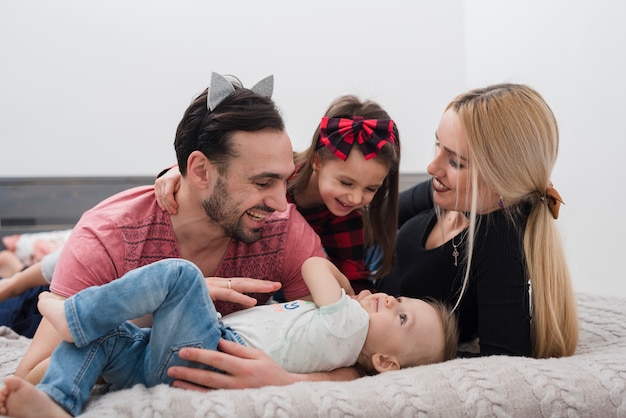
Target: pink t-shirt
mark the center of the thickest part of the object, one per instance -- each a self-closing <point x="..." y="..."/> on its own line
<point x="129" y="230"/>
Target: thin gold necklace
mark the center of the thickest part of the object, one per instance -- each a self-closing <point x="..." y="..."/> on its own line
<point x="455" y="251"/>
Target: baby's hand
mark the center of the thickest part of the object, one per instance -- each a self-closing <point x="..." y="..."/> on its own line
<point x="349" y="290"/>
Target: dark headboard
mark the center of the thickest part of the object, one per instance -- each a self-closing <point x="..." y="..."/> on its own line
<point x="40" y="204"/>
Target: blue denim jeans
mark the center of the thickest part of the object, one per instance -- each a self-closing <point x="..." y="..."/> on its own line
<point x="173" y="291"/>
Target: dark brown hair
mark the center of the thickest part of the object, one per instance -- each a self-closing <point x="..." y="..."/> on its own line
<point x="210" y="131"/>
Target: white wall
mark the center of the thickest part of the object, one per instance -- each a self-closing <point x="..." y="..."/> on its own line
<point x="574" y="53"/>
<point x="98" y="87"/>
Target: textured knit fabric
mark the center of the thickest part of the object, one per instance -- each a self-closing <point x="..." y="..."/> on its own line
<point x="588" y="384"/>
<point x="495" y="306"/>
<point x="129" y="230"/>
<point x="343" y="238"/>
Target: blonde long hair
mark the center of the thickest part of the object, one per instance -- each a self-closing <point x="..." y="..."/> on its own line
<point x="513" y="142"/>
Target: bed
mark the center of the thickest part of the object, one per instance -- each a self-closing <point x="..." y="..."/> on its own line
<point x="591" y="383"/>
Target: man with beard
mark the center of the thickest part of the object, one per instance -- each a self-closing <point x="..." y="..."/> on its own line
<point x="233" y="219"/>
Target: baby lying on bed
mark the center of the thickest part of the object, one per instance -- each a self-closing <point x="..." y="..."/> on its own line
<point x="375" y="332"/>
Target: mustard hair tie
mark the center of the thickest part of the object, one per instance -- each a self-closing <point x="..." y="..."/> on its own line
<point x="553" y="199"/>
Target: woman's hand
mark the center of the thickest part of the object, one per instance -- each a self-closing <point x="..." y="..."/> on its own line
<point x="165" y="187"/>
<point x="243" y="367"/>
<point x="232" y="289"/>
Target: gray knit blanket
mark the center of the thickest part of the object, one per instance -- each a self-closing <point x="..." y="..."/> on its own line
<point x="592" y="383"/>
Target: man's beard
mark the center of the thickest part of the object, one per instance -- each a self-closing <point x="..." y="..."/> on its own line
<point x="223" y="212"/>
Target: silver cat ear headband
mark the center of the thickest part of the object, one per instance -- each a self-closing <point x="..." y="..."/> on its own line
<point x="221" y="88"/>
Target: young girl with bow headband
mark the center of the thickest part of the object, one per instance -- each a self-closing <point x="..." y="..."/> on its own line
<point x="346" y="185"/>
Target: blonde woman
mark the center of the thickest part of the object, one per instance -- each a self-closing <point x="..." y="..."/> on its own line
<point x="482" y="234"/>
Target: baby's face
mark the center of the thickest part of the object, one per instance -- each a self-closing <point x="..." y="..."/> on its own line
<point x="404" y="327"/>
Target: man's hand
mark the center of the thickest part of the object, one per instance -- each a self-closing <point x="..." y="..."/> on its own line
<point x="232" y="289"/>
<point x="244" y="367"/>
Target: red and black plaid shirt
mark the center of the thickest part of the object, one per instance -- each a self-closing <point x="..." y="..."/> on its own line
<point x="342" y="237"/>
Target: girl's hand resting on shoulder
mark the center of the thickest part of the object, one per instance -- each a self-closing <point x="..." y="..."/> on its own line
<point x="165" y="187"/>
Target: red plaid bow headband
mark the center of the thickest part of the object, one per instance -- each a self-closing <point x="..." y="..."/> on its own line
<point x="338" y="134"/>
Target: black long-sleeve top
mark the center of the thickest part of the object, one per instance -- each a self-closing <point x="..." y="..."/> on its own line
<point x="495" y="305"/>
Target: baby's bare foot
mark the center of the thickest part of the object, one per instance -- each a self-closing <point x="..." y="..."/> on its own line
<point x="53" y="310"/>
<point x="4" y="393"/>
<point x="21" y="399"/>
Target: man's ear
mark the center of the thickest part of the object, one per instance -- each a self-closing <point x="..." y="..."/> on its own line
<point x="198" y="169"/>
<point x="383" y="363"/>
